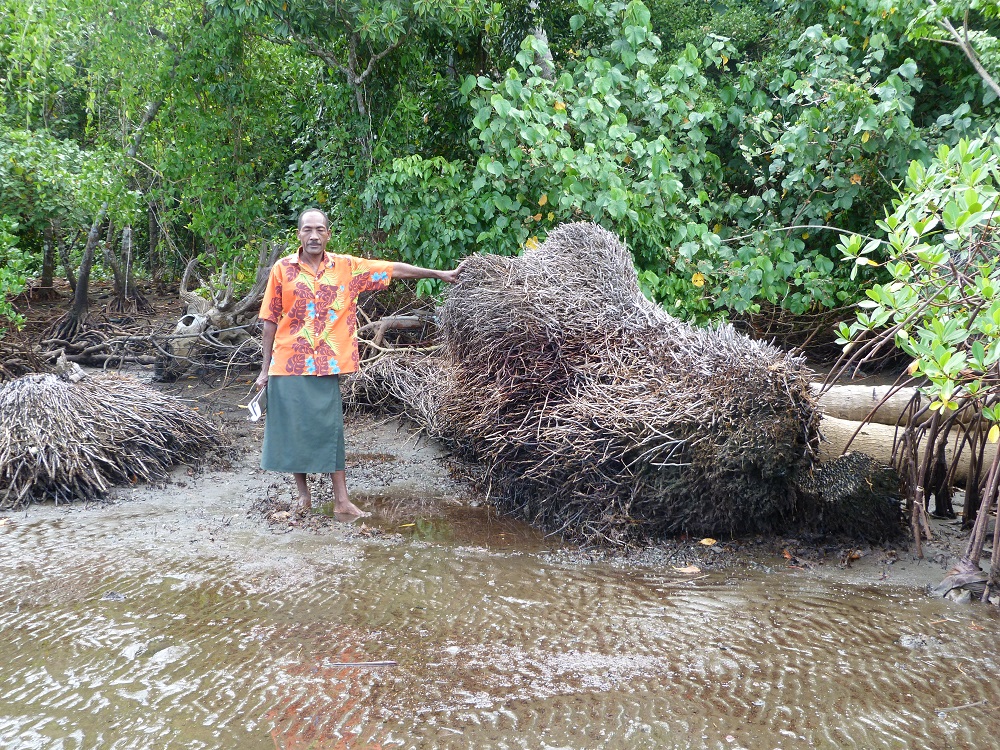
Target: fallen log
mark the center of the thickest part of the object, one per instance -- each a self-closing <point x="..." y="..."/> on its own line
<point x="877" y="441"/>
<point x="856" y="402"/>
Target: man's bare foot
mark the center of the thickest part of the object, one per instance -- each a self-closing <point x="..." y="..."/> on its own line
<point x="347" y="509"/>
<point x="302" y="504"/>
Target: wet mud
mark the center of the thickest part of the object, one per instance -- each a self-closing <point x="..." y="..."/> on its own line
<point x="186" y="616"/>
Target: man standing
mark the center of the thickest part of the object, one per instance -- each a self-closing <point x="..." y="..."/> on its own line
<point x="310" y="338"/>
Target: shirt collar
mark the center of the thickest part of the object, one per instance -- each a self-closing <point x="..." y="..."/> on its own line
<point x="327" y="260"/>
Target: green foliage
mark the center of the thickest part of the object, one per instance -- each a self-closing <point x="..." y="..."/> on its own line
<point x="39" y="77"/>
<point x="942" y="305"/>
<point x="730" y="144"/>
<point x="946" y="21"/>
<point x="905" y="28"/>
<point x="817" y="140"/>
<point x="745" y="23"/>
<point x="631" y="141"/>
<point x="604" y="141"/>
<point x="13" y="272"/>
<point x="43" y="179"/>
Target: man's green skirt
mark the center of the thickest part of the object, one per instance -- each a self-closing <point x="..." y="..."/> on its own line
<point x="304" y="424"/>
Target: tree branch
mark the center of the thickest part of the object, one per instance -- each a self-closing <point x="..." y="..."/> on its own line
<point x="961" y="40"/>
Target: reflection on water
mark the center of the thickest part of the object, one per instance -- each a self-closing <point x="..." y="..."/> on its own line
<point x="115" y="644"/>
<point x="435" y="520"/>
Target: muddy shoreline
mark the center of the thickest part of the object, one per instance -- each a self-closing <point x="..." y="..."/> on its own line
<point x="416" y="492"/>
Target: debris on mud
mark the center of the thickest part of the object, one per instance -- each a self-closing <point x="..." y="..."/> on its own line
<point x="600" y="417"/>
<point x="277" y="512"/>
<point x="67" y="441"/>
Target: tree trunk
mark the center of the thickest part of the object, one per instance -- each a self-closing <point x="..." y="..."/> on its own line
<point x="855" y="402"/>
<point x="69" y="326"/>
<point x="67" y="263"/>
<point x="544" y="62"/>
<point x="111" y="261"/>
<point x="546" y="67"/>
<point x="877" y="441"/>
<point x="48" y="259"/>
<point x="154" y="260"/>
<point x="128" y="298"/>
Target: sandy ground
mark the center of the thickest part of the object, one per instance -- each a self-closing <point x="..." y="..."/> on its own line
<point x="404" y="478"/>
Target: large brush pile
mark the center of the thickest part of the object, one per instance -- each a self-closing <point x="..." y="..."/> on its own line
<point x="71" y="441"/>
<point x="597" y="414"/>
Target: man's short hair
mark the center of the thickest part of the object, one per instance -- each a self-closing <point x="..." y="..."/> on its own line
<point x="316" y="210"/>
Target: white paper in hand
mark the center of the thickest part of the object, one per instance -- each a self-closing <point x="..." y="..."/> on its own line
<point x="257" y="405"/>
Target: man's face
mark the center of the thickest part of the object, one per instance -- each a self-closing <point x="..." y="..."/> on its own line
<point x="313" y="234"/>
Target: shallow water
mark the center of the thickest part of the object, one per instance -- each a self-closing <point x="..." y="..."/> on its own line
<point x="134" y="626"/>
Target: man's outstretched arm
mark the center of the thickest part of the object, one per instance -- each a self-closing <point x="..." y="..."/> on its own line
<point x="406" y="271"/>
<point x="267" y="342"/>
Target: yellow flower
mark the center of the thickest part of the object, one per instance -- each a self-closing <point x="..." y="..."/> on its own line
<point x="698" y="280"/>
<point x="855" y="179"/>
<point x="531" y="243"/>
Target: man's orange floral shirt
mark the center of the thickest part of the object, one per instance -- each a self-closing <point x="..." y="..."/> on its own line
<point x="317" y="314"/>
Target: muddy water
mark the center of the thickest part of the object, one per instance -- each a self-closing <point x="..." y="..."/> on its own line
<point x="184" y="624"/>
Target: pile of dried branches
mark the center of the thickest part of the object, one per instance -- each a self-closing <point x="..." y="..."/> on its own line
<point x="598" y="415"/>
<point x="71" y="441"/>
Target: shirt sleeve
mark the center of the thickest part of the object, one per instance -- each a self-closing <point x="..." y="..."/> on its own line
<point x="376" y="274"/>
<point x="270" y="306"/>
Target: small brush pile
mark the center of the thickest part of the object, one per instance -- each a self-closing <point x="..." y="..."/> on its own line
<point x="595" y="413"/>
<point x="70" y="441"/>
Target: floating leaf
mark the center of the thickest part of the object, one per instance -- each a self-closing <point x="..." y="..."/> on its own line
<point x="405" y="525"/>
<point x="689" y="569"/>
<point x="708" y="541"/>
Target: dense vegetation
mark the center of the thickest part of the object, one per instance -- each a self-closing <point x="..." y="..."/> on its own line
<point x="730" y="144"/>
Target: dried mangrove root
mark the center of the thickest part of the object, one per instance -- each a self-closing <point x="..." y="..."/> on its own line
<point x="72" y="441"/>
